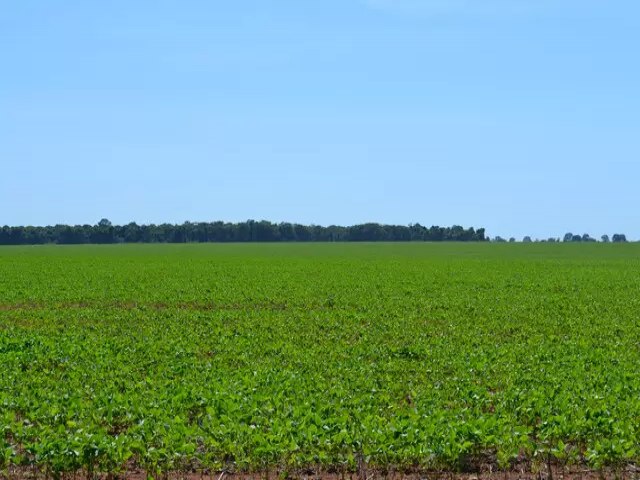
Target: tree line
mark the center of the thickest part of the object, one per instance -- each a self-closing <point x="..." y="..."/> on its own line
<point x="568" y="237"/>
<point x="250" y="231"/>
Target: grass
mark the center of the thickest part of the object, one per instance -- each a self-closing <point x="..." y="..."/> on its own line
<point x="255" y="357"/>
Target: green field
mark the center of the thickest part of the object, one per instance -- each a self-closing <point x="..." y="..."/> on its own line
<point x="332" y="356"/>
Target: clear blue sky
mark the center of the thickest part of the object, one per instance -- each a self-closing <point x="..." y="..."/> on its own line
<point x="522" y="116"/>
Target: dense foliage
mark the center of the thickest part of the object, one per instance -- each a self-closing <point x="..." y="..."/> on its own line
<point x="249" y="231"/>
<point x="256" y="356"/>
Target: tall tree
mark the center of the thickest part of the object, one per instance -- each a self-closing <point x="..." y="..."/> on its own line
<point x="619" y="238"/>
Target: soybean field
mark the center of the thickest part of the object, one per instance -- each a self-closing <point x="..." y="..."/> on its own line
<point x="325" y="357"/>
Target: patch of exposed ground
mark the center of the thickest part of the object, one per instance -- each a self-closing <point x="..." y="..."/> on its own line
<point x="629" y="472"/>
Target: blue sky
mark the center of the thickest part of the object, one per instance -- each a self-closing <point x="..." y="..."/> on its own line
<point x="522" y="116"/>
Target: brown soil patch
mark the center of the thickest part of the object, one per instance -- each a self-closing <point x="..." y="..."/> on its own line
<point x="624" y="473"/>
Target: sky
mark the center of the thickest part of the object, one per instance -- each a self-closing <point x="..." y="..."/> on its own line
<point x="520" y="116"/>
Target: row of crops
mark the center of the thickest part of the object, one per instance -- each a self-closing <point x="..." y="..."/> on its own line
<point x="255" y="357"/>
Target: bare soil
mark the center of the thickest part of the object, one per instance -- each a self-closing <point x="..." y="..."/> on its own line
<point x="629" y="472"/>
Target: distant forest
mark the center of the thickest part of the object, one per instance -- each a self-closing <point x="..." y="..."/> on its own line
<point x="250" y="231"/>
<point x="259" y="231"/>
